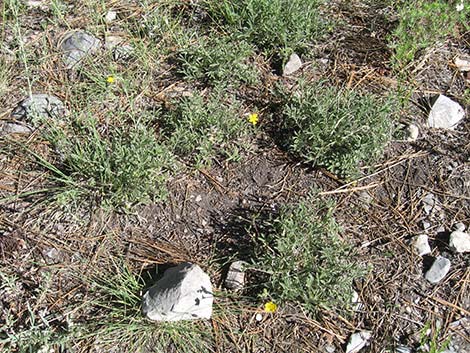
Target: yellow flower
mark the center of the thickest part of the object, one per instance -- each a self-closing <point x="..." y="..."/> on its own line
<point x="270" y="307"/>
<point x="110" y="79"/>
<point x="253" y="118"/>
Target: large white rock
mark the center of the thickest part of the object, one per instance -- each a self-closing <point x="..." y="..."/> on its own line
<point x="438" y="270"/>
<point x="459" y="241"/>
<point x="76" y="45"/>
<point x="292" y="65"/>
<point x="357" y="341"/>
<point x="445" y="113"/>
<point x="184" y="293"/>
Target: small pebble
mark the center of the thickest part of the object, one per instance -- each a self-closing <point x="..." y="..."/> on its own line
<point x="413" y="132"/>
<point x="459" y="226"/>
<point x="357" y="341"/>
<point x="420" y="245"/>
<point x="259" y="317"/>
<point x="438" y="270"/>
<point x="462" y="64"/>
<point x="110" y="16"/>
<point x="459" y="241"/>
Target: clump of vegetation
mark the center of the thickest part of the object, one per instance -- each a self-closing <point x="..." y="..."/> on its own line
<point x="201" y="128"/>
<point x="218" y="60"/>
<point x="423" y="23"/>
<point x="336" y="128"/>
<point x="308" y="263"/>
<point x="274" y="26"/>
<point x="118" y="167"/>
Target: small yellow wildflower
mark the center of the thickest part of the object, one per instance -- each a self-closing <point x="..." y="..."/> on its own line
<point x="110" y="79"/>
<point x="270" y="307"/>
<point x="253" y="118"/>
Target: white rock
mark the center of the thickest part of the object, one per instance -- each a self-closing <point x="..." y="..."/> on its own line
<point x="428" y="203"/>
<point x="77" y="45"/>
<point x="292" y="65"/>
<point x="357" y="341"/>
<point x="235" y="279"/>
<point x="110" y="16"/>
<point x="258" y="317"/>
<point x="445" y="113"/>
<point x="413" y="132"/>
<point x="459" y="241"/>
<point x="459" y="226"/>
<point x="421" y="245"/>
<point x="438" y="270"/>
<point x="184" y="293"/>
<point x="39" y="106"/>
<point x="462" y="64"/>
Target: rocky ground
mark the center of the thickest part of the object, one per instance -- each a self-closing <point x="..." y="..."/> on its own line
<point x="407" y="218"/>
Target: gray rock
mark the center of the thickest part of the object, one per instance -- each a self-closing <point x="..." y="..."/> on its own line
<point x="292" y="65"/>
<point x="438" y="270"/>
<point x="428" y="203"/>
<point x="413" y="132"/>
<point x="39" y="106"/>
<point x="184" y="293"/>
<point x="123" y="52"/>
<point x="420" y="245"/>
<point x="235" y="279"/>
<point x="7" y="128"/>
<point x="357" y="341"/>
<point x="445" y="113"/>
<point x="459" y="241"/>
<point x="77" y="45"/>
<point x="403" y="349"/>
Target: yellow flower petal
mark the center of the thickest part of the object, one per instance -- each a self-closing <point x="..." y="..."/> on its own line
<point x="270" y="307"/>
<point x="110" y="79"/>
<point x="253" y="118"/>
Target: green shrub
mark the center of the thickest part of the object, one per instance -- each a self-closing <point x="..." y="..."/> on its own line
<point x="120" y="168"/>
<point x="335" y="128"/>
<point x="275" y="26"/>
<point x="201" y="128"/>
<point x="307" y="261"/>
<point x="218" y="60"/>
<point x="421" y="24"/>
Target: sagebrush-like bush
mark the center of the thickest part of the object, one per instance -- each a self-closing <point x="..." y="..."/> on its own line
<point x="335" y="128"/>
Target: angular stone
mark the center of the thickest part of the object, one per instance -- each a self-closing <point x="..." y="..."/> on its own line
<point x="459" y="226"/>
<point x="421" y="245"/>
<point x="184" y="293"/>
<point x="438" y="270"/>
<point x="445" y="113"/>
<point x="8" y="127"/>
<point x="235" y="279"/>
<point x="292" y="65"/>
<point x="459" y="241"/>
<point x="39" y="106"/>
<point x="413" y="132"/>
<point x="357" y="341"/>
<point x="77" y="45"/>
<point x="110" y="16"/>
